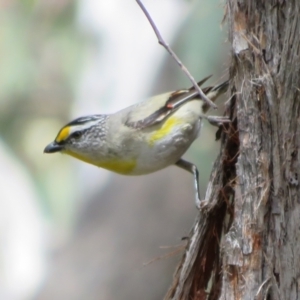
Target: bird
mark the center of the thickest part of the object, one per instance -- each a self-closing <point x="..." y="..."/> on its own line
<point x="143" y="138"/>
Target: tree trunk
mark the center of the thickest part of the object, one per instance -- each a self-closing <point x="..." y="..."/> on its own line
<point x="244" y="244"/>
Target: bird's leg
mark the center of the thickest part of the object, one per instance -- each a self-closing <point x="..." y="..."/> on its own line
<point x="217" y="120"/>
<point x="192" y="169"/>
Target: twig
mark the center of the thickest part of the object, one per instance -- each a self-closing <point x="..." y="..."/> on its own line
<point x="173" y="54"/>
<point x="178" y="249"/>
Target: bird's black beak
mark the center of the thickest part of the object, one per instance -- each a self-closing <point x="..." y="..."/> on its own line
<point x="53" y="147"/>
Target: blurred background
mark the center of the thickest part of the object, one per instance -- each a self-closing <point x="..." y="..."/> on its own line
<point x="69" y="230"/>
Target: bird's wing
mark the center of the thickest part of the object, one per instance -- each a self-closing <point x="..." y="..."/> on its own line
<point x="166" y="105"/>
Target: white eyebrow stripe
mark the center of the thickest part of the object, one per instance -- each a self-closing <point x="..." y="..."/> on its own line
<point x="82" y="127"/>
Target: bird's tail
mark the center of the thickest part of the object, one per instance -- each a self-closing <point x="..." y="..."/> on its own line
<point x="213" y="92"/>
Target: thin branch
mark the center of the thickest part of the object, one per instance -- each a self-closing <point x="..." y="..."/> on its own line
<point x="173" y="54"/>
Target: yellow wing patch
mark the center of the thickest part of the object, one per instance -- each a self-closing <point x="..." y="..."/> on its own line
<point x="63" y="134"/>
<point x="165" y="130"/>
<point x="118" y="166"/>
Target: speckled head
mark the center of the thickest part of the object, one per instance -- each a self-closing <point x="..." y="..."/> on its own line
<point x="85" y="139"/>
<point x="76" y="137"/>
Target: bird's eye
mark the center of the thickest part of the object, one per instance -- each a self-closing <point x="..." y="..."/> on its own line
<point x="76" y="135"/>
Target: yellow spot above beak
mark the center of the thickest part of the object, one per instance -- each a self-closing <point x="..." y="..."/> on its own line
<point x="63" y="134"/>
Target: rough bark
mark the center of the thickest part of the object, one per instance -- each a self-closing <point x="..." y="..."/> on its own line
<point x="244" y="244"/>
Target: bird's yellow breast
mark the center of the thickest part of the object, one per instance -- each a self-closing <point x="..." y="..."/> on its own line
<point x="115" y="165"/>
